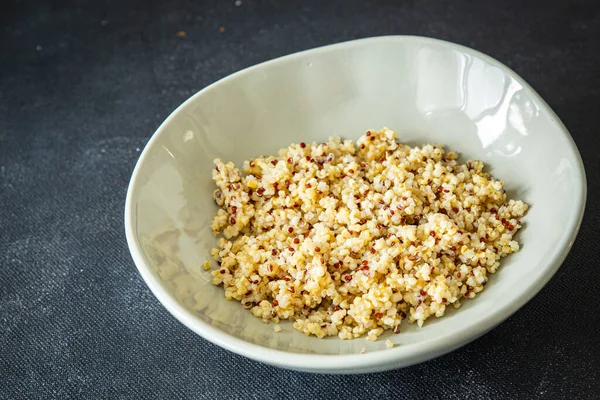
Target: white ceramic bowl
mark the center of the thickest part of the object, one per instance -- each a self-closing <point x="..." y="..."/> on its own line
<point x="429" y="91"/>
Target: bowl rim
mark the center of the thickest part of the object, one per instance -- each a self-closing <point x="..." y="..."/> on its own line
<point x="396" y="357"/>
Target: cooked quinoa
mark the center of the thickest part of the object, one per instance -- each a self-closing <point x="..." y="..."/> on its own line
<point x="351" y="238"/>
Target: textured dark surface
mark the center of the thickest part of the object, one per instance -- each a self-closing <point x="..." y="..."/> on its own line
<point x="82" y="87"/>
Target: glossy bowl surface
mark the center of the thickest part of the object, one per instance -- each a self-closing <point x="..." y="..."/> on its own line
<point x="428" y="90"/>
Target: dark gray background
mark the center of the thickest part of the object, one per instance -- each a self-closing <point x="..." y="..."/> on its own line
<point x="76" y="319"/>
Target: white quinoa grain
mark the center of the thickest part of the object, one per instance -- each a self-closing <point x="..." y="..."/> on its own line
<point x="351" y="238"/>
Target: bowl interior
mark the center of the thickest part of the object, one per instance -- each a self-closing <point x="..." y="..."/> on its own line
<point x="427" y="90"/>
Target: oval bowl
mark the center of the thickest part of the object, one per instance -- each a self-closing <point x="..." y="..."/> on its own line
<point x="430" y="91"/>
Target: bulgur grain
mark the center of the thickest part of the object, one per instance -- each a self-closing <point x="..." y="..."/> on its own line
<point x="390" y="233"/>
